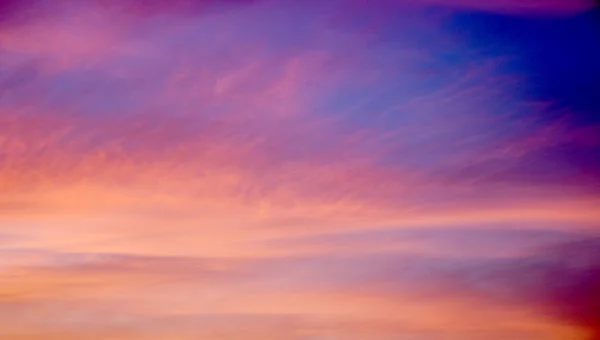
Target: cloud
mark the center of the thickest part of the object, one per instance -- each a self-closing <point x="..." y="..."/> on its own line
<point x="269" y="169"/>
<point x="482" y="240"/>
<point x="520" y="7"/>
<point x="563" y="280"/>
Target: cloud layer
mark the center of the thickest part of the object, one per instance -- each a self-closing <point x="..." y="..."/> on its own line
<point x="324" y="170"/>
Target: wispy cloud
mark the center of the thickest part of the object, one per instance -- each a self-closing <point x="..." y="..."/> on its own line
<point x="270" y="169"/>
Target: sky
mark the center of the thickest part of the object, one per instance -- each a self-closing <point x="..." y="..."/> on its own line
<point x="299" y="170"/>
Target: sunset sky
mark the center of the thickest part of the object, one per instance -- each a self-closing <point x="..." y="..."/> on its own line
<point x="299" y="170"/>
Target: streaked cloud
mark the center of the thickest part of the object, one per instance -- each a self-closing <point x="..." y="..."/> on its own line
<point x="323" y="170"/>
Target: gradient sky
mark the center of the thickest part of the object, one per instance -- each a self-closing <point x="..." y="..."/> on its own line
<point x="299" y="170"/>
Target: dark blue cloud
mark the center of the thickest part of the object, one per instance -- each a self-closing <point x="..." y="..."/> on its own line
<point x="559" y="57"/>
<point x="557" y="60"/>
